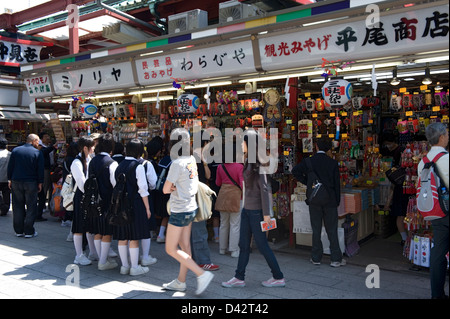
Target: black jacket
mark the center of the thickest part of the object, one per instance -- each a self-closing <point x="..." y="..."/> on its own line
<point x="327" y="170"/>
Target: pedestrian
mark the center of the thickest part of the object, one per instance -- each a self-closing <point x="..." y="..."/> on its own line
<point x="150" y="174"/>
<point x="161" y="202"/>
<point x="79" y="170"/>
<point x="103" y="167"/>
<point x="139" y="229"/>
<point x="71" y="153"/>
<point x="182" y="185"/>
<point x="327" y="170"/>
<point x="437" y="136"/>
<point x="25" y="178"/>
<point x="5" y="191"/>
<point x="256" y="208"/>
<point x="48" y="151"/>
<point x="119" y="152"/>
<point x="230" y="179"/>
<point x="199" y="232"/>
<point x="397" y="202"/>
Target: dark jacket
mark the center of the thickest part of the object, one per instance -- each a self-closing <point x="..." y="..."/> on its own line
<point x="327" y="170"/>
<point x="26" y="164"/>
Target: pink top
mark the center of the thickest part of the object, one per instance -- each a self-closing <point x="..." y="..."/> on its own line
<point x="236" y="172"/>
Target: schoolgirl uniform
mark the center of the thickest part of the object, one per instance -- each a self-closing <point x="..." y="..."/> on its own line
<point x="104" y="168"/>
<point x="79" y="175"/>
<point x="137" y="188"/>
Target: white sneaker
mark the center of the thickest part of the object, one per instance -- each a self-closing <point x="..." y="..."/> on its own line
<point x="108" y="265"/>
<point x="124" y="270"/>
<point x="69" y="237"/>
<point x="222" y="251"/>
<point x="139" y="270"/>
<point x="148" y="261"/>
<point x="235" y="254"/>
<point x="203" y="282"/>
<point x="160" y="239"/>
<point x="112" y="253"/>
<point x="175" y="285"/>
<point x="343" y="262"/>
<point x="31" y="236"/>
<point x="93" y="257"/>
<point x="82" y="260"/>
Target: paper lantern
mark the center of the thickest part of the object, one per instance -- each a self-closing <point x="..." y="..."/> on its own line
<point x="357" y="102"/>
<point x="337" y="92"/>
<point x="187" y="103"/>
<point x="310" y="105"/>
<point x="407" y="101"/>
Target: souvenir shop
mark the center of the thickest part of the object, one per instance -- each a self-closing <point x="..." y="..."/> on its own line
<point x="345" y="80"/>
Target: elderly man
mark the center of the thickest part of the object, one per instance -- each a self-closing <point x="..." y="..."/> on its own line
<point x="437" y="136"/>
<point x="25" y="177"/>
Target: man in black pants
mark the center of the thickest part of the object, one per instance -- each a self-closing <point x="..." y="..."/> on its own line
<point x="327" y="170"/>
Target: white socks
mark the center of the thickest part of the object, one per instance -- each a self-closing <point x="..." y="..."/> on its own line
<point x="78" y="243"/>
<point x="134" y="257"/>
<point x="104" y="251"/>
<point x="90" y="240"/>
<point x="145" y="247"/>
<point x="123" y="253"/>
<point x="162" y="230"/>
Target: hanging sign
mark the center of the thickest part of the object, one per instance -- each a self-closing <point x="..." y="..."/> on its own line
<point x="38" y="86"/>
<point x="14" y="52"/>
<point x="337" y="92"/>
<point x="215" y="61"/>
<point x="409" y="32"/>
<point x="88" y="110"/>
<point x="118" y="75"/>
<point x="188" y="103"/>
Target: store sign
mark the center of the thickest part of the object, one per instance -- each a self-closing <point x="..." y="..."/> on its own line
<point x="404" y="33"/>
<point x="14" y="54"/>
<point x="118" y="75"/>
<point x="38" y="86"/>
<point x="222" y="60"/>
<point x="337" y="92"/>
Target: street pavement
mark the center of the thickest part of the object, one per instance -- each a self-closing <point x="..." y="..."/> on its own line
<point x="42" y="268"/>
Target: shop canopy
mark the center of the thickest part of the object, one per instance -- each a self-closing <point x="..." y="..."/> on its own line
<point x="26" y="116"/>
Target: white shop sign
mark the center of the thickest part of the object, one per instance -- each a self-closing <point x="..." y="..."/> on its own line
<point x="403" y="33"/>
<point x="118" y="75"/>
<point x="216" y="61"/>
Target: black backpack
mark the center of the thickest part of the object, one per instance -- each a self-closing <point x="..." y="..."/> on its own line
<point x="91" y="201"/>
<point x="316" y="192"/>
<point x="163" y="170"/>
<point x="121" y="209"/>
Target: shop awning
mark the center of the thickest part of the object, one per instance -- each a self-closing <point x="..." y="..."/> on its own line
<point x="27" y="116"/>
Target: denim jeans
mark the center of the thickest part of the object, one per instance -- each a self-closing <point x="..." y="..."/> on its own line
<point x="199" y="243"/>
<point x="251" y="225"/>
<point x="24" y="194"/>
<point x="438" y="262"/>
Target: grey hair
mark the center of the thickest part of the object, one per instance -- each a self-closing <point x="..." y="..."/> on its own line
<point x="434" y="131"/>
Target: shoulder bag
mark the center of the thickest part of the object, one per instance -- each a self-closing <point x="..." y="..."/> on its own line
<point x="229" y="197"/>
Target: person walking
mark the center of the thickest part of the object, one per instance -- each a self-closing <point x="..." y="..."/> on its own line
<point x="5" y="191"/>
<point x="71" y="153"/>
<point x="45" y="194"/>
<point x="437" y="136"/>
<point x="327" y="170"/>
<point x="25" y="178"/>
<point x="79" y="169"/>
<point x="139" y="229"/>
<point x="103" y="167"/>
<point x="229" y="177"/>
<point x="182" y="185"/>
<point x="257" y="207"/>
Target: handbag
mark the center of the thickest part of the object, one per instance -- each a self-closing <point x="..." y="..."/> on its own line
<point x="229" y="197"/>
<point x="396" y="175"/>
<point x="316" y="192"/>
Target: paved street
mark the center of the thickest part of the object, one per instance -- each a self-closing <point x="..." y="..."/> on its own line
<point x="41" y="268"/>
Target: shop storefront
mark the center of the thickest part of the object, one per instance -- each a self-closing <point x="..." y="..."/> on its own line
<point x="273" y="73"/>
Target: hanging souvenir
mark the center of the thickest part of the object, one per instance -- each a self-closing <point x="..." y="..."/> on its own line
<point x="348" y="106"/>
<point x="396" y="103"/>
<point x="310" y="105"/>
<point x="234" y="96"/>
<point x="320" y="105"/>
<point x="255" y="105"/>
<point x="407" y="101"/>
<point x="234" y="107"/>
<point x="413" y="125"/>
<point x="337" y="92"/>
<point x="248" y="105"/>
<point x="301" y="106"/>
<point x="241" y="106"/>
<point x="88" y="110"/>
<point x="257" y="121"/>
<point x="357" y="102"/>
<point x="370" y="102"/>
<point x="417" y="101"/>
<point x="188" y="103"/>
<point x="440" y="99"/>
<point x="428" y="98"/>
<point x="219" y="97"/>
<point x="402" y="126"/>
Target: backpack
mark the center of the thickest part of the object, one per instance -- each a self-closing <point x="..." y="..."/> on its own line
<point x="164" y="168"/>
<point x="316" y="192"/>
<point x="431" y="200"/>
<point x="120" y="212"/>
<point x="91" y="201"/>
<point x="56" y="207"/>
<point x="68" y="192"/>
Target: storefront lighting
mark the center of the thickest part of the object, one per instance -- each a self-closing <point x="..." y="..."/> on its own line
<point x="395" y="80"/>
<point x="103" y="96"/>
<point x="317" y="80"/>
<point x="409" y="79"/>
<point x="433" y="59"/>
<point x="427" y="80"/>
<point x="151" y="53"/>
<point x="438" y="87"/>
<point x="161" y="98"/>
<point x="153" y="90"/>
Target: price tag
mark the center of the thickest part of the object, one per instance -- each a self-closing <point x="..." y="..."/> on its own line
<point x="307" y="94"/>
<point x="409" y="113"/>
<point x="331" y="135"/>
<point x="402" y="90"/>
<point x="436" y="108"/>
<point x="319" y="135"/>
<point x="369" y="182"/>
<point x="293" y="128"/>
<point x="314" y="115"/>
<point x="370" y="121"/>
<point x="344" y="135"/>
<point x="286" y="153"/>
<point x="332" y="114"/>
<point x="424" y="87"/>
<point x="356" y="113"/>
<point x="344" y="114"/>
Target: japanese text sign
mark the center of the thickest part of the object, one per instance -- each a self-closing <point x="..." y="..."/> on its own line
<point x="17" y="53"/>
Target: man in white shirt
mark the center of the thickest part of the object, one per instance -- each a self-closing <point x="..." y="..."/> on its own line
<point x="437" y="136"/>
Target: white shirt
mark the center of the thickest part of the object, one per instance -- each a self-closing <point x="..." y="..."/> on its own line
<point x="442" y="164"/>
<point x="151" y="175"/>
<point x="4" y="160"/>
<point x="77" y="172"/>
<point x="140" y="177"/>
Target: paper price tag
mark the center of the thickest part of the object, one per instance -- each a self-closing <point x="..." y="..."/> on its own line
<point x="409" y="113"/>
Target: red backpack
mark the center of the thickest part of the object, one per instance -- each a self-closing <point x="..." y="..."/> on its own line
<point x="431" y="192"/>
